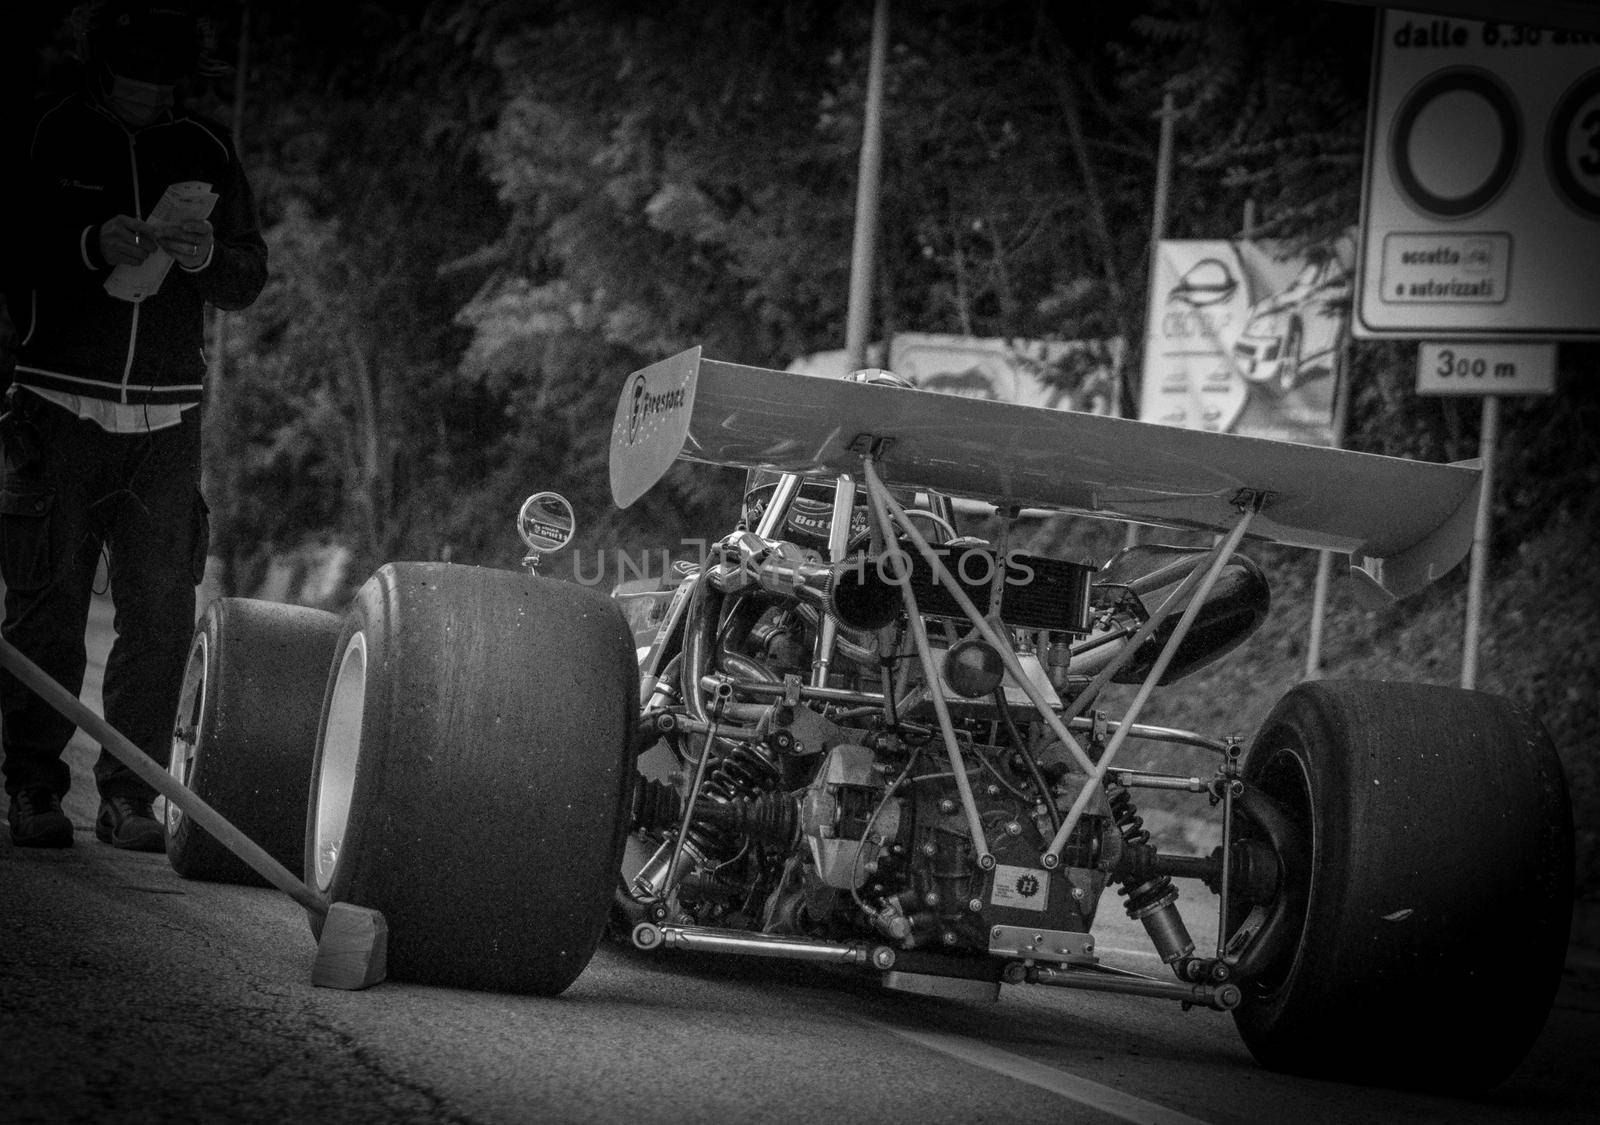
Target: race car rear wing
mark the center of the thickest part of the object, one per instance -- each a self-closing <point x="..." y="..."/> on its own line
<point x="1403" y="523"/>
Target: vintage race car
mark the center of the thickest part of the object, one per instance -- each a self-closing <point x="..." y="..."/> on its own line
<point x="854" y="736"/>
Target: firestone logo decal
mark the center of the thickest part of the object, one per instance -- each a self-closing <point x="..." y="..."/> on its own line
<point x="646" y="404"/>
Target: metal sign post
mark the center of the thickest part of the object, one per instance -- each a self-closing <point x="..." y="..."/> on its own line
<point x="1490" y="371"/>
<point x="1319" y="596"/>
<point x="1482" y="529"/>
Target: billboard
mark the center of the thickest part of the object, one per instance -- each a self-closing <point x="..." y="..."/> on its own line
<point x="1243" y="337"/>
<point x="834" y="364"/>
<point x="1077" y="375"/>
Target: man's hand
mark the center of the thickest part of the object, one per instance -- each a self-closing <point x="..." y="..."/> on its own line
<point x="125" y="241"/>
<point x="189" y="242"/>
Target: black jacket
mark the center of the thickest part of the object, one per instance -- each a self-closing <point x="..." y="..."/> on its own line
<point x="81" y="167"/>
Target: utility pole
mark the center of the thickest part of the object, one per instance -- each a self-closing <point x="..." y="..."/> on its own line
<point x="216" y="581"/>
<point x="219" y="319"/>
<point x="868" y="187"/>
<point x="1158" y="218"/>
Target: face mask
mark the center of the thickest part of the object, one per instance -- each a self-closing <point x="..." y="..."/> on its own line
<point x="136" y="102"/>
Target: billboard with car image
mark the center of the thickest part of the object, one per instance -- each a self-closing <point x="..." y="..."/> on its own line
<point x="1245" y="337"/>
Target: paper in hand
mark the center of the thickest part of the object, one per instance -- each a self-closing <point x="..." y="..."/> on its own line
<point x="179" y="203"/>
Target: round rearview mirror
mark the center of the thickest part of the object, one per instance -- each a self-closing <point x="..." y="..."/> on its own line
<point x="546" y="522"/>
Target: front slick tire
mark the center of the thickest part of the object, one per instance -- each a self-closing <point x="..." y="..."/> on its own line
<point x="471" y="770"/>
<point x="1432" y="886"/>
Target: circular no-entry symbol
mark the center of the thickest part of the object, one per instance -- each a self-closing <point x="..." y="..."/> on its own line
<point x="1573" y="144"/>
<point x="1455" y="142"/>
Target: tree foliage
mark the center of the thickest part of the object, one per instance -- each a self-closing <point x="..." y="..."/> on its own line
<point x="484" y="213"/>
<point x="343" y="412"/>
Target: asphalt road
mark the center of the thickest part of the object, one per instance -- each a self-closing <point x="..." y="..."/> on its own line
<point x="129" y="994"/>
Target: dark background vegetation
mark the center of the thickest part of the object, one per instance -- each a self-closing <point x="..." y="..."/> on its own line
<point x="484" y="214"/>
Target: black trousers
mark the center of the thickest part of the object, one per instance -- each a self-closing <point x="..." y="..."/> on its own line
<point x="86" y="490"/>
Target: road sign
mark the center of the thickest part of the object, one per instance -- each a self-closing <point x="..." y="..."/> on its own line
<point x="1471" y="367"/>
<point x="1481" y="199"/>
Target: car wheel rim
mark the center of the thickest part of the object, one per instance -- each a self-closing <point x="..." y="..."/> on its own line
<point x="341" y="752"/>
<point x="186" y="736"/>
<point x="1286" y="779"/>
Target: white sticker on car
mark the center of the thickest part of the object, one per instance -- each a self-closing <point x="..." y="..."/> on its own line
<point x="1020" y="888"/>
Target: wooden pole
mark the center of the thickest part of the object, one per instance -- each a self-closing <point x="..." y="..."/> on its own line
<point x="1477" y="578"/>
<point x="353" y="950"/>
<point x="868" y="188"/>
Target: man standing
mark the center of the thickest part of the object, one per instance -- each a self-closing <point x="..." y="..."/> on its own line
<point x="101" y="433"/>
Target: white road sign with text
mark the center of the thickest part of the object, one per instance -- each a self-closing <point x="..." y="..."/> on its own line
<point x="1471" y="367"/>
<point x="1481" y="201"/>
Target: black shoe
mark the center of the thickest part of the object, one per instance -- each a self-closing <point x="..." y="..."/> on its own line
<point x="127" y="822"/>
<point x="37" y="820"/>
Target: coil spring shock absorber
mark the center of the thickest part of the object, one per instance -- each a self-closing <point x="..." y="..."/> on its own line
<point x="1153" y="901"/>
<point x="744" y="774"/>
<point x="728" y="807"/>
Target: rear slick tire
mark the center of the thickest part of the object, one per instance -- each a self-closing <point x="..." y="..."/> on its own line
<point x="246" y="728"/>
<point x="1432" y="893"/>
<point x="471" y="772"/>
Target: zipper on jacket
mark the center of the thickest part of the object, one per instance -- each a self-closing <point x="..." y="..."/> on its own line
<point x="133" y="327"/>
<point x="33" y="316"/>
